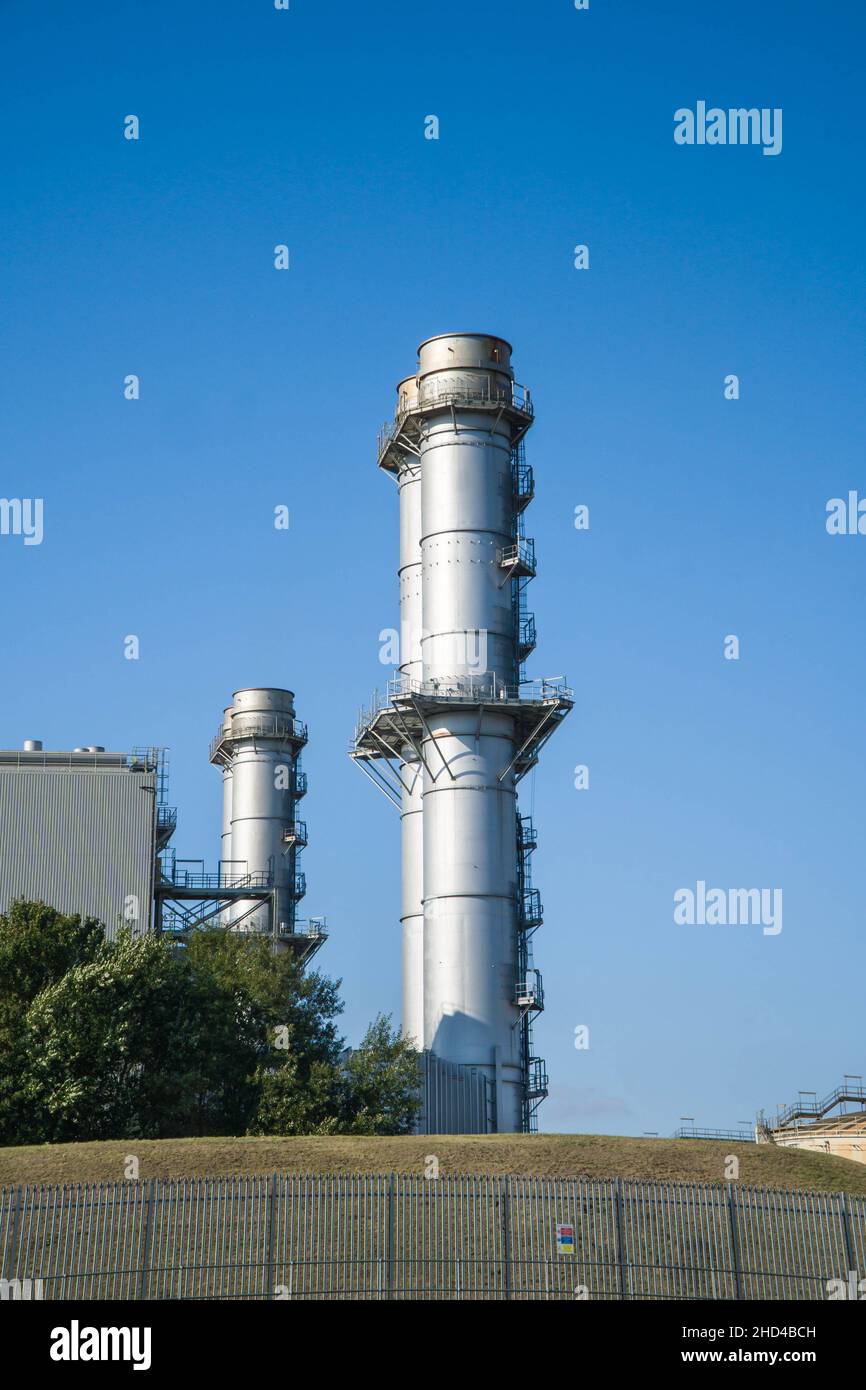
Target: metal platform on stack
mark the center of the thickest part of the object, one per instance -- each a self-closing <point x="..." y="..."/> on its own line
<point x="402" y="718"/>
<point x="291" y="731"/>
<point x="401" y="435"/>
<point x="213" y="893"/>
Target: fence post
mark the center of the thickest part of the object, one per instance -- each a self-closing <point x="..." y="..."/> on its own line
<point x="389" y="1241"/>
<point x="735" y="1242"/>
<point x="846" y="1236"/>
<point x="9" y="1270"/>
<point x="143" y="1290"/>
<point x="272" y="1223"/>
<point x="620" y="1238"/>
<point x="506" y="1233"/>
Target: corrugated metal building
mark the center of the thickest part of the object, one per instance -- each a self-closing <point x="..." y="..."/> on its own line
<point x="80" y="831"/>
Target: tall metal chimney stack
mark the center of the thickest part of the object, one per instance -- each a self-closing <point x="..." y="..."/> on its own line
<point x="258" y="746"/>
<point x="461" y="724"/>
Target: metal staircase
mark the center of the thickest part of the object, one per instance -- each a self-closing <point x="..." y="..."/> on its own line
<point x="529" y="990"/>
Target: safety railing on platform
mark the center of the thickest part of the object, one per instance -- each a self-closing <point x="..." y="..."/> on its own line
<point x="851" y="1089"/>
<point x="276" y="726"/>
<point x="738" y="1136"/>
<point x="514" y="397"/>
<point x="471" y="687"/>
<point x="185" y="878"/>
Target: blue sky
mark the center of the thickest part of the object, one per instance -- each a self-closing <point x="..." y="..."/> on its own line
<point x="259" y="388"/>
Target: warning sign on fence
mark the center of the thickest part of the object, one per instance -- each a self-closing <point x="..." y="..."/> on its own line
<point x="564" y="1239"/>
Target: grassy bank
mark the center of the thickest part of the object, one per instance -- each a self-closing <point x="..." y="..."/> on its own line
<point x="542" y="1155"/>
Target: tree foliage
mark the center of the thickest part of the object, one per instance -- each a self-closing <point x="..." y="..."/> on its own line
<point x="141" y="1038"/>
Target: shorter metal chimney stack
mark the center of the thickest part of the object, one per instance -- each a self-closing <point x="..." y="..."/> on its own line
<point x="258" y="748"/>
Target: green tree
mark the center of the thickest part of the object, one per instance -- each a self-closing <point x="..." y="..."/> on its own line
<point x="141" y="1037"/>
<point x="37" y="947"/>
<point x="382" y="1094"/>
<point x="293" y="1080"/>
<point x="107" y="1044"/>
<point x="286" y="1105"/>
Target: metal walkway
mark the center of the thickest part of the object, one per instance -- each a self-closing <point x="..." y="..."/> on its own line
<point x="852" y="1089"/>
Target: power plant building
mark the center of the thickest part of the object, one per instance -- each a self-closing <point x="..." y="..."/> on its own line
<point x="81" y="830"/>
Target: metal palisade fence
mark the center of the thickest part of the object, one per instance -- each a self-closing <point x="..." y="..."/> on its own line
<point x="379" y="1237"/>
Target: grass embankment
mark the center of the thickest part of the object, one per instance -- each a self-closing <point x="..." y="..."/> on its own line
<point x="540" y="1155"/>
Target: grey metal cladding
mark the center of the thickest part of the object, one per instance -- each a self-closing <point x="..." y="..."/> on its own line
<point x="80" y="840"/>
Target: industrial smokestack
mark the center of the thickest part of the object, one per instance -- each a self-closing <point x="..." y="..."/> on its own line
<point x="258" y="747"/>
<point x="461" y="723"/>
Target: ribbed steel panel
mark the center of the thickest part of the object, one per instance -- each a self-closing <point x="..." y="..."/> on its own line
<point x="454" y="1099"/>
<point x="81" y="840"/>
